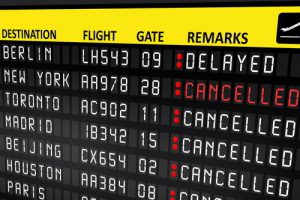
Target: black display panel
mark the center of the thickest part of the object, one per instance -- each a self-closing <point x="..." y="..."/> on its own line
<point x="210" y="114"/>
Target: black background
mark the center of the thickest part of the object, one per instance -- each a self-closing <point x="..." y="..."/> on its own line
<point x="139" y="3"/>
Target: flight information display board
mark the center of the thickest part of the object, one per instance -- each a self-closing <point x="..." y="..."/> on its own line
<point x="150" y="103"/>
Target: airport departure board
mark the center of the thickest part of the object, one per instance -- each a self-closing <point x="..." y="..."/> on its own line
<point x="195" y="103"/>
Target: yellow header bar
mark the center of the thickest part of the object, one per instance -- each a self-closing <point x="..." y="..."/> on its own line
<point x="233" y="26"/>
